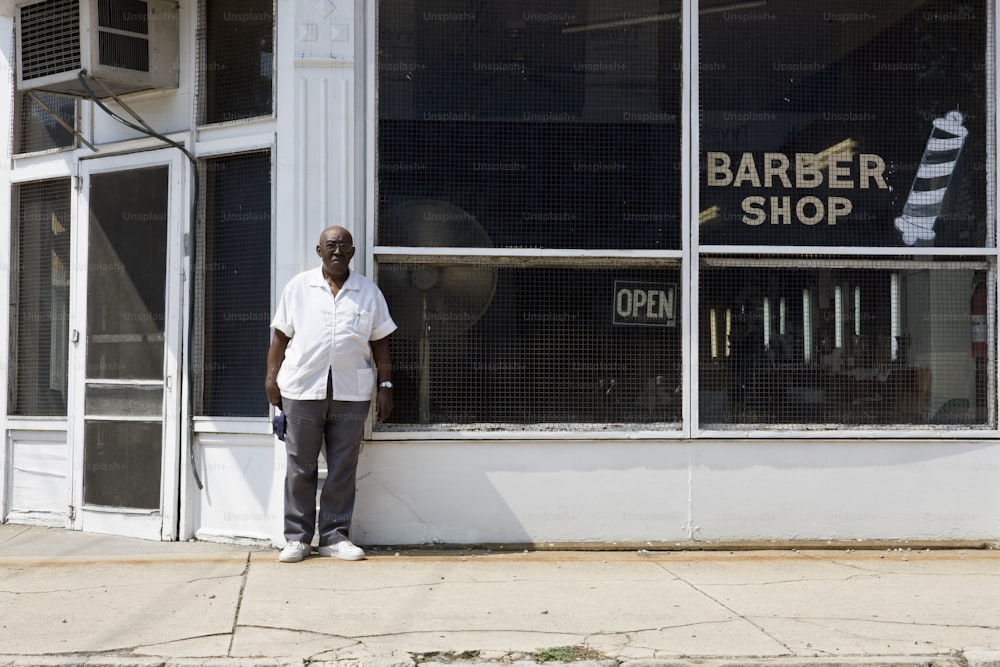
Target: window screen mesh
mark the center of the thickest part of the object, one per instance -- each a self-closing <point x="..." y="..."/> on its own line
<point x="784" y="342"/>
<point x="234" y="286"/>
<point x="843" y="123"/>
<point x="237" y="62"/>
<point x="36" y="128"/>
<point x="40" y="298"/>
<point x="541" y="346"/>
<point x="558" y="127"/>
<point x="552" y="125"/>
<point x="128" y="238"/>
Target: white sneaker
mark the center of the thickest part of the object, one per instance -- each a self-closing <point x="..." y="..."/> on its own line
<point x="344" y="550"/>
<point x="294" y="552"/>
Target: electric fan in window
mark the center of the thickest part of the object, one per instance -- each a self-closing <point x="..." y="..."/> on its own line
<point x="434" y="297"/>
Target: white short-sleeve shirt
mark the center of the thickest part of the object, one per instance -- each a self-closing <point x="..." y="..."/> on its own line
<point x="330" y="332"/>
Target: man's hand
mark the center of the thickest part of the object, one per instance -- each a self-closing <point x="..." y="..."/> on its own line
<point x="273" y="393"/>
<point x="383" y="404"/>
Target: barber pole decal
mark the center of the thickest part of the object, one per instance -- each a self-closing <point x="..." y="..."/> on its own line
<point x="933" y="177"/>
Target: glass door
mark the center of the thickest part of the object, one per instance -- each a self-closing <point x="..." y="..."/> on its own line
<point x="127" y="431"/>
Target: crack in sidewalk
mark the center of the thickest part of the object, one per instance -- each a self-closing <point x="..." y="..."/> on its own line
<point x="239" y="604"/>
<point x="735" y="613"/>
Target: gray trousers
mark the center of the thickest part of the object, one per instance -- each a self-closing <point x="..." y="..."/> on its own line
<point x="311" y="424"/>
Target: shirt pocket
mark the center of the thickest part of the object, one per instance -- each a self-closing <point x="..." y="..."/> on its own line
<point x="358" y="321"/>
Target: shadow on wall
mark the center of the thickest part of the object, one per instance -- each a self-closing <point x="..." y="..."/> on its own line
<point x="457" y="493"/>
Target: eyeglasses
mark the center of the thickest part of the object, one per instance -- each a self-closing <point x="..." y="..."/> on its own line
<point x="338" y="245"/>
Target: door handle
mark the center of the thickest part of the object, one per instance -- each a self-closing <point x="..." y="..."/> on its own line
<point x="75" y="336"/>
<point x="169" y="381"/>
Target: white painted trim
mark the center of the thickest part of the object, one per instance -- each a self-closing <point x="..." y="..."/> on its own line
<point x="357" y="131"/>
<point x="517" y="432"/>
<point x="529" y="253"/>
<point x="6" y="232"/>
<point x="243" y="426"/>
<point x="843" y="263"/>
<point x="780" y="432"/>
<point x="779" y="251"/>
<point x="690" y="197"/>
<point x="254" y="125"/>
<point x="324" y="63"/>
<point x="206" y="148"/>
<point x="839" y="432"/>
<point x="368" y="13"/>
<point x="163" y="525"/>
<point x="41" y="170"/>
<point x="366" y="138"/>
<point x="113" y="521"/>
<point x="45" y="519"/>
<point x="76" y="353"/>
<point x="37" y="424"/>
<point x="134" y="383"/>
<point x="238" y="439"/>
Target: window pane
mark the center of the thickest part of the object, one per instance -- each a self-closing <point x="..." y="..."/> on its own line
<point x="787" y="343"/>
<point x="838" y="123"/>
<point x="235" y="286"/>
<point x="126" y="265"/>
<point x="122" y="462"/>
<point x="540" y="346"/>
<point x="40" y="298"/>
<point x="38" y="130"/>
<point x="549" y="126"/>
<point x="237" y="68"/>
<point x="123" y="400"/>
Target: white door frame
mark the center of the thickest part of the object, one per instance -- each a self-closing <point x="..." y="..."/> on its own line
<point x="159" y="523"/>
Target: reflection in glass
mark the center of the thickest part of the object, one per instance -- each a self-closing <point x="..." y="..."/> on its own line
<point x="40" y="288"/>
<point x="547" y="127"/>
<point x="550" y="347"/>
<point x="124" y="400"/>
<point x="833" y="124"/>
<point x="237" y="64"/>
<point x="122" y="464"/>
<point x="234" y="286"/>
<point x="37" y="127"/>
<point x="126" y="266"/>
<point x="850" y="347"/>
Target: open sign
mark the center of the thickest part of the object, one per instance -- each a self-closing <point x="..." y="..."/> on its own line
<point x="645" y="304"/>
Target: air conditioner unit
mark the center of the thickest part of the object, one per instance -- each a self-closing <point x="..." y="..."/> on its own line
<point x="127" y="45"/>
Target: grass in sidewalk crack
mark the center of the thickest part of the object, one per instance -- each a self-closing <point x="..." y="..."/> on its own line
<point x="567" y="654"/>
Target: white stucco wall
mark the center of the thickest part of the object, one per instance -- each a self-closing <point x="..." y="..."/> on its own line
<point x="520" y="492"/>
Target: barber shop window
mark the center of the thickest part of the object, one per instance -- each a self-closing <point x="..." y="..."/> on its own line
<point x="39" y="298"/>
<point x="529" y="223"/>
<point x="236" y="66"/>
<point x="846" y="240"/>
<point x="828" y="341"/>
<point x="233" y="304"/>
<point x="541" y="244"/>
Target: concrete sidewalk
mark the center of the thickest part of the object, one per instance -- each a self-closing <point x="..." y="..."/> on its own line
<point x="71" y="598"/>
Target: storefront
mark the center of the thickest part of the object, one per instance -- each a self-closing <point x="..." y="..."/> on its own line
<point x="664" y="272"/>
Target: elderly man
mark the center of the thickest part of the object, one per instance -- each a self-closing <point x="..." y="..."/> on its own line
<point x="330" y="349"/>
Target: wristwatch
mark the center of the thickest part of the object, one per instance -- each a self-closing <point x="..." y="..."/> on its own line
<point x="385" y="385"/>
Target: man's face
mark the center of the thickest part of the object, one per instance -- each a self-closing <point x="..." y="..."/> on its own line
<point x="336" y="248"/>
